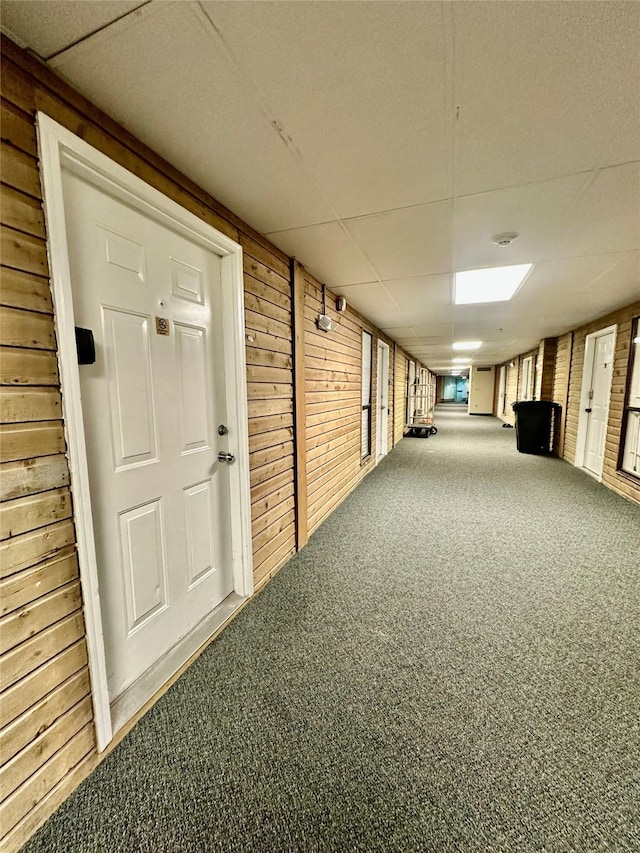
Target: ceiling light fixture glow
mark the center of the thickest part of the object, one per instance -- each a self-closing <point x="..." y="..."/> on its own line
<point x="464" y="361"/>
<point x="467" y="345"/>
<point x="496" y="284"/>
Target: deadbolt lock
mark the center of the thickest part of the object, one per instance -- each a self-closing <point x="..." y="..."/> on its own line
<point x="222" y="430"/>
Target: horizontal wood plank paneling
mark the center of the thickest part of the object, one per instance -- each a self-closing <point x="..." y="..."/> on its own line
<point x="39" y="717"/>
<point x="18" y="770"/>
<point x="19" y="170"/>
<point x="19" y="662"/>
<point x="21" y="212"/>
<point x="23" y="800"/>
<point x="17" y="129"/>
<point x="21" y="625"/>
<point x="32" y="547"/>
<point x="34" y="511"/>
<point x="42" y="681"/>
<point x="31" y="583"/>
<point x="30" y="476"/>
<point x="26" y="329"/>
<point x="25" y="441"/>
<point x="24" y="290"/>
<point x="333" y="377"/>
<point x="28" y="367"/>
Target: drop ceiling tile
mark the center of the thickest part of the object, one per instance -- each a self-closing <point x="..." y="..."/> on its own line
<point x="414" y="241"/>
<point x="421" y="294"/>
<point x="434" y="330"/>
<point x="48" y="27"/>
<point x="398" y="332"/>
<point x="552" y="284"/>
<point x="164" y="75"/>
<point x="543" y="89"/>
<point x="605" y="216"/>
<point x="533" y="211"/>
<point x="359" y="87"/>
<point x="370" y="299"/>
<point x="327" y="252"/>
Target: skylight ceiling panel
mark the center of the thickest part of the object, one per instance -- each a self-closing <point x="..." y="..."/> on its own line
<point x="359" y="87"/>
<point x="163" y="74"/>
<point x="543" y="89"/>
<point x="48" y="27"/>
<point x="414" y="241"/>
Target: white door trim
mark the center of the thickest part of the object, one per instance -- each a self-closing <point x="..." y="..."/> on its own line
<point x="587" y="372"/>
<point x="59" y="147"/>
<point x="382" y="437"/>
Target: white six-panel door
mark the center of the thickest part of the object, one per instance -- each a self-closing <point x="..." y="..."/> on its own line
<point x="382" y="399"/>
<point x="598" y="371"/>
<point x="152" y="403"/>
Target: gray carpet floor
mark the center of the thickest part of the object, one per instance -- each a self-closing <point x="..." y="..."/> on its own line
<point x="451" y="664"/>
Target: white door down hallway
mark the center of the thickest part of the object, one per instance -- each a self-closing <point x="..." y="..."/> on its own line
<point x="448" y="665"/>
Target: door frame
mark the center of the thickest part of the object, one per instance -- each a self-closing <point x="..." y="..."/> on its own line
<point x="59" y="147"/>
<point x="587" y="375"/>
<point x="502" y="391"/>
<point x="382" y="436"/>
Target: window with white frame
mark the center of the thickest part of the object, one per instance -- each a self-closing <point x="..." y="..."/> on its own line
<point x="367" y="350"/>
<point x="630" y="443"/>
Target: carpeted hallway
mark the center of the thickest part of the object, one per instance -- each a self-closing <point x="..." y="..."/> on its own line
<point x="451" y="664"/>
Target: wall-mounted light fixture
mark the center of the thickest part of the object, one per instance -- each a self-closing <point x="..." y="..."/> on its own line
<point x="341" y="304"/>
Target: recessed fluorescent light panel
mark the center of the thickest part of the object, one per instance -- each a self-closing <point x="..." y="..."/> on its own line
<point x="497" y="284"/>
<point x="467" y="345"/>
<point x="460" y="361"/>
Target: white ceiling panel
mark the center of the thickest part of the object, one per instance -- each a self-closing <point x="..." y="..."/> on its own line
<point x="541" y="88"/>
<point x="422" y="294"/>
<point x="162" y="73"/>
<point x="366" y="80"/>
<point x="398" y="332"/>
<point x="533" y="211"/>
<point x="48" y="27"/>
<point x="372" y="297"/>
<point x="605" y="216"/>
<point x="410" y="242"/>
<point x="329" y="254"/>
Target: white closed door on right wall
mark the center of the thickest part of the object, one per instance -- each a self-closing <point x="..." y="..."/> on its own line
<point x="597" y="409"/>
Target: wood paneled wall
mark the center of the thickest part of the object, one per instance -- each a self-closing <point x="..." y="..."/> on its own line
<point x="333" y="370"/>
<point x="560" y="390"/>
<point x="47" y="739"/>
<point x="400" y="385"/>
<point x="619" y="482"/>
<point x="561" y="368"/>
<point x="45" y="704"/>
<point x="546" y="369"/>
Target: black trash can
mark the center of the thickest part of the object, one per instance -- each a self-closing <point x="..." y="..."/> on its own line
<point x="535" y="425"/>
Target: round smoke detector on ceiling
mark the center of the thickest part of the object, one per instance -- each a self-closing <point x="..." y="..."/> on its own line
<point x="503" y="240"/>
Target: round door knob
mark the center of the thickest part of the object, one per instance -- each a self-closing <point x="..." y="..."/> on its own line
<point x="226" y="457"/>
